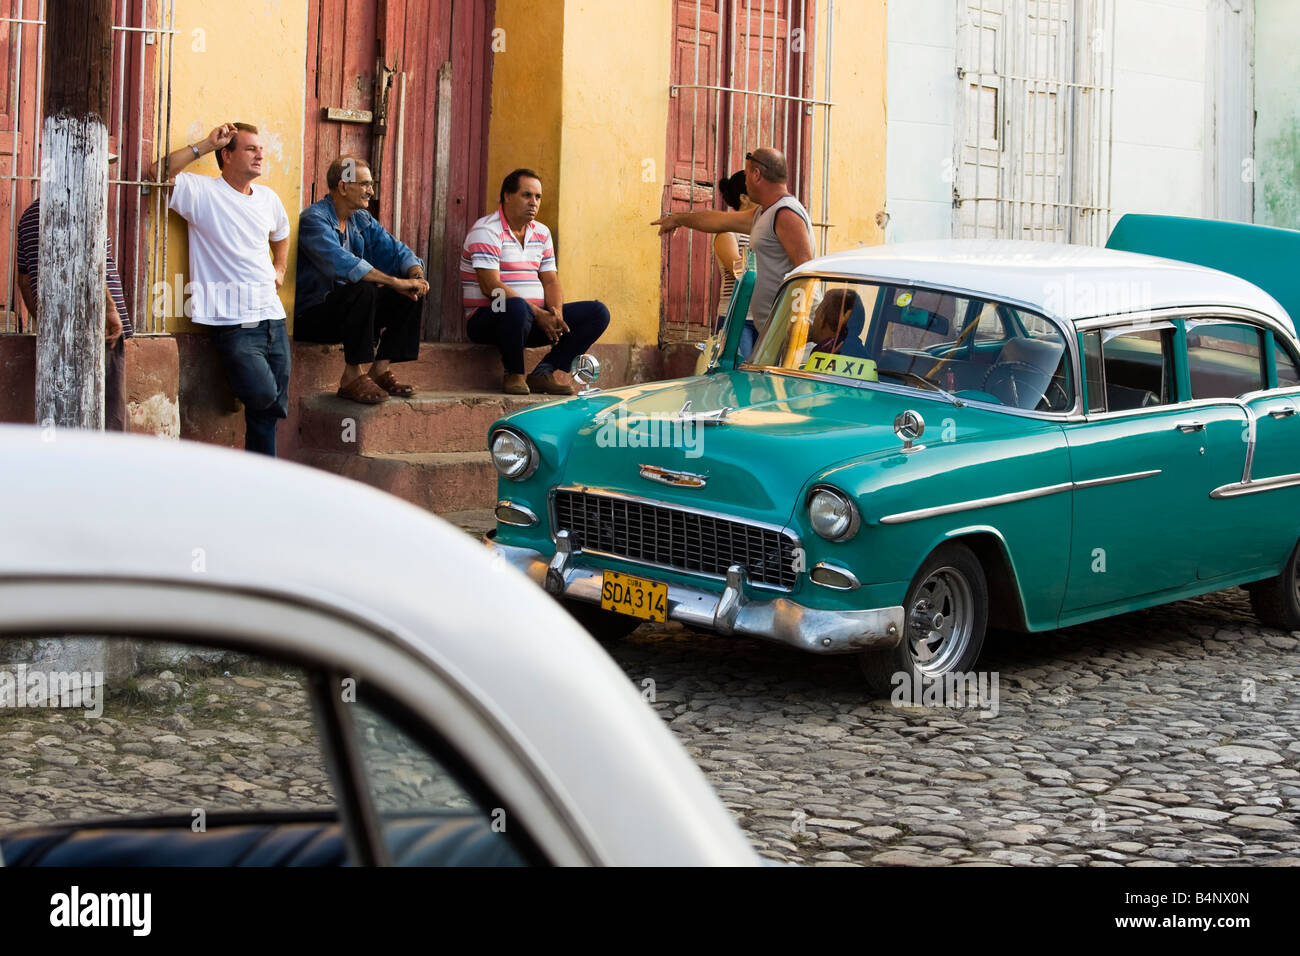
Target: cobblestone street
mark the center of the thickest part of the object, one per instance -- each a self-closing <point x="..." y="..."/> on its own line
<point x="1170" y="736"/>
<point x="1163" y="737"/>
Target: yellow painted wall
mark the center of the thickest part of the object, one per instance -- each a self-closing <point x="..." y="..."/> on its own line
<point x="526" y="99"/>
<point x="616" y="69"/>
<point x="594" y="121"/>
<point x="241" y="62"/>
<point x="856" y="170"/>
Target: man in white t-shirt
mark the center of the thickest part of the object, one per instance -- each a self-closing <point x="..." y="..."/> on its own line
<point x="232" y="222"/>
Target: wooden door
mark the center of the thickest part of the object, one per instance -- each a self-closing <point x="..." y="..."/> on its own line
<point x="758" y="52"/>
<point x="689" y="279"/>
<point x="422" y="71"/>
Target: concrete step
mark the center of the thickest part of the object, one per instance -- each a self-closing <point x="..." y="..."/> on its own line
<point x="441" y="367"/>
<point x="425" y="422"/>
<point x="463" y="366"/>
<point x="476" y="522"/>
<point x="442" y="482"/>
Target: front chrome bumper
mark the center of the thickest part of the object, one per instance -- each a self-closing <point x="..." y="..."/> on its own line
<point x="779" y="619"/>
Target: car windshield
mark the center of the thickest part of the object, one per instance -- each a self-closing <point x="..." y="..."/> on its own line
<point x="974" y="349"/>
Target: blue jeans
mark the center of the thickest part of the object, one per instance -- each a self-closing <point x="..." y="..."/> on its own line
<point x="512" y="330"/>
<point x="256" y="359"/>
<point x="748" y="338"/>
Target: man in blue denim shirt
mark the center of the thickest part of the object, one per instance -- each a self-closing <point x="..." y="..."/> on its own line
<point x="357" y="285"/>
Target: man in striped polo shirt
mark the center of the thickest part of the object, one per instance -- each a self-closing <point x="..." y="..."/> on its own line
<point x="117" y="323"/>
<point x="512" y="292"/>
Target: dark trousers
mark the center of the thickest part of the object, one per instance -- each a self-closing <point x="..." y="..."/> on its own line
<point x="115" y="386"/>
<point x="361" y="315"/>
<point x="512" y="330"/>
<point x="256" y="359"/>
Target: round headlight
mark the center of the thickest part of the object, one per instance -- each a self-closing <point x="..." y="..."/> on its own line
<point x="833" y="516"/>
<point x="514" y="456"/>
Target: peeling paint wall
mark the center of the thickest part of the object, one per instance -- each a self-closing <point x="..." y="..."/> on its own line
<point x="1277" y="111"/>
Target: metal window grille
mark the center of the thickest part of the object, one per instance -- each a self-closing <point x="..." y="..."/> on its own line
<point x="1033" y="131"/>
<point x="139" y="129"/>
<point x="752" y="104"/>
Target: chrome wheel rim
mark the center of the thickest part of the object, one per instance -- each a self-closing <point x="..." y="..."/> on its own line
<point x="1295" y="576"/>
<point x="940" y="621"/>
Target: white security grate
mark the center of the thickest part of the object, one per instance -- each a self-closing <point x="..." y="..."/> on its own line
<point x="1033" y="130"/>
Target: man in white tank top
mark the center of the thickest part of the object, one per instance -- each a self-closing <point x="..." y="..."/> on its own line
<point x="779" y="242"/>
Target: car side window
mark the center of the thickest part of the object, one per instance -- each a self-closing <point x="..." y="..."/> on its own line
<point x="1288" y="370"/>
<point x="1224" y="359"/>
<point x="197" y="740"/>
<point x="1092" y="372"/>
<point x="990" y="327"/>
<point x="1137" y="367"/>
<point x="423" y="800"/>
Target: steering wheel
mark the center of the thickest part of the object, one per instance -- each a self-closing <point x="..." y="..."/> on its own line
<point x="1006" y="380"/>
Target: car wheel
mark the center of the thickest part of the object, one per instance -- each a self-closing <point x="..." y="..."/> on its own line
<point x="601" y="624"/>
<point x="1276" y="602"/>
<point x="944" y="616"/>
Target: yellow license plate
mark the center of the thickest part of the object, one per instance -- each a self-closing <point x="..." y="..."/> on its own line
<point x="636" y="597"/>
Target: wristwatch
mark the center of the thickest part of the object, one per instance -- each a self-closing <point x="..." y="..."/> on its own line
<point x="195" y="149"/>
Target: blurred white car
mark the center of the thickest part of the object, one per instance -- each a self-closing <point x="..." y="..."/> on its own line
<point x="462" y="716"/>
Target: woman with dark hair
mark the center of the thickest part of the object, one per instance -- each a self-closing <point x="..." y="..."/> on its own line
<point x="729" y="248"/>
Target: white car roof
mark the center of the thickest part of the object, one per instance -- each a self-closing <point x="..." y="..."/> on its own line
<point x="1068" y="282"/>
<point x="91" y="505"/>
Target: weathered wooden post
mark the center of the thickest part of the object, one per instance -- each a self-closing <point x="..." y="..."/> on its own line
<point x="74" y="211"/>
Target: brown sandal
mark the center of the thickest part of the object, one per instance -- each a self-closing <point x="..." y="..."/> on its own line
<point x="362" y="389"/>
<point x="389" y="383"/>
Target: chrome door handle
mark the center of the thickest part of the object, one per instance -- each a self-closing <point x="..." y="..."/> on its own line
<point x="1190" y="427"/>
<point x="1281" y="411"/>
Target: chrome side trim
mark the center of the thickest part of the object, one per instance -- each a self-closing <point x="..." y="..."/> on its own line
<point x="1171" y="408"/>
<point x="779" y="620"/>
<point x="504" y="503"/>
<point x="1239" y="488"/>
<point x="1252" y="426"/>
<point x="974" y="503"/>
<point x="921" y="513"/>
<point x="1115" y="479"/>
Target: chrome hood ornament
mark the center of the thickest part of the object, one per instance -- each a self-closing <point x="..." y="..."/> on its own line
<point x="678" y="479"/>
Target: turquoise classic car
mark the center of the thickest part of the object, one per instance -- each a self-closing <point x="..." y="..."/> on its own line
<point x="931" y="439"/>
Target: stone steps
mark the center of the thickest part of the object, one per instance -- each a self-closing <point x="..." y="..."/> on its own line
<point x="431" y="449"/>
<point x="425" y="422"/>
<point x="442" y="482"/>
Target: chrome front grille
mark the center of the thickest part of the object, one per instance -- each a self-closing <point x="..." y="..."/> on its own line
<point x="674" y="538"/>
